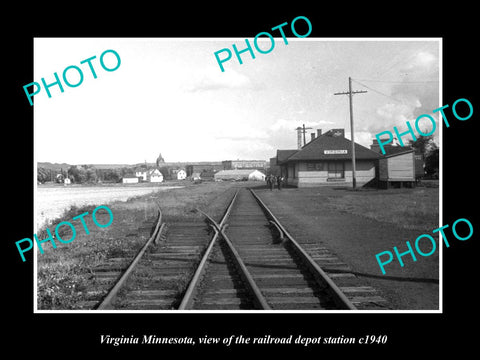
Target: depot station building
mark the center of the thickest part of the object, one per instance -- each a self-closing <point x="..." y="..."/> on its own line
<point x="327" y="160"/>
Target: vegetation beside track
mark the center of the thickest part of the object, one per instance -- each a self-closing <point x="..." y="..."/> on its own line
<point x="416" y="208"/>
<point x="65" y="274"/>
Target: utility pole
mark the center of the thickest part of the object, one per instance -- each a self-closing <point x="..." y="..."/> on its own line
<point x="299" y="131"/>
<point x="350" y="95"/>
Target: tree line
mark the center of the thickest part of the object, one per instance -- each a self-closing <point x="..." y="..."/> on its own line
<point x="84" y="174"/>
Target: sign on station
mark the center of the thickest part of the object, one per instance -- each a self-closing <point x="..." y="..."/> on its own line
<point x="329" y="152"/>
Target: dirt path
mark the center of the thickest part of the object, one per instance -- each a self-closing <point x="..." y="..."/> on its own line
<point x="356" y="240"/>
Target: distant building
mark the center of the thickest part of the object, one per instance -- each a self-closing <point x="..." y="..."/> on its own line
<point x="208" y="175"/>
<point x="203" y="166"/>
<point x="141" y="173"/>
<point x="130" y="179"/>
<point x="244" y="164"/>
<point x="179" y="174"/>
<point x="149" y="175"/>
<point x="160" y="160"/>
<point x="239" y="175"/>
<point x="154" y="175"/>
<point x="195" y="176"/>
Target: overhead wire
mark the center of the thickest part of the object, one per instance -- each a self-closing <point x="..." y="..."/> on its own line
<point x="398" y="59"/>
<point x="379" y="92"/>
<point x="399" y="82"/>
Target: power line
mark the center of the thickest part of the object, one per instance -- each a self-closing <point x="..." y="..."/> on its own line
<point x="398" y="82"/>
<point x="398" y="60"/>
<point x="381" y="93"/>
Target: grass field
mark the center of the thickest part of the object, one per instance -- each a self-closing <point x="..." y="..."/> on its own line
<point x="416" y="208"/>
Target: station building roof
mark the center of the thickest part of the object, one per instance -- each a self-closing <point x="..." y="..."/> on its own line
<point x="395" y="150"/>
<point x="327" y="147"/>
<point x="283" y="155"/>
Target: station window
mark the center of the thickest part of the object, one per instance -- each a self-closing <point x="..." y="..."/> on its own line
<point x="336" y="170"/>
<point x="314" y="166"/>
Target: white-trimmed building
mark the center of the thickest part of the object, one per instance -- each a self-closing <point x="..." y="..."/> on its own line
<point x="149" y="175"/>
<point x="180" y="174"/>
<point x="141" y="173"/>
<point x="154" y="175"/>
<point x="130" y="179"/>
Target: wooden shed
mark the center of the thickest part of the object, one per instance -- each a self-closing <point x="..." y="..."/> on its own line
<point x="397" y="168"/>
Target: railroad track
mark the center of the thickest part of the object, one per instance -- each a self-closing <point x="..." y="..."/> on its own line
<point x="246" y="260"/>
<point x="160" y="270"/>
<point x="258" y="265"/>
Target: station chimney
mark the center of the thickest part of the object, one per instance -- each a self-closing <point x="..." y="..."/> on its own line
<point x="299" y="137"/>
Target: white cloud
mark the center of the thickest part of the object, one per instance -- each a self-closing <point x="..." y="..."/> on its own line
<point x="213" y="79"/>
<point x="424" y="58"/>
<point x="395" y="114"/>
<point x="361" y="137"/>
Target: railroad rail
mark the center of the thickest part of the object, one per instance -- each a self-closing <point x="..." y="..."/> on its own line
<point x="258" y="299"/>
<point x="276" y="272"/>
<point x="106" y="303"/>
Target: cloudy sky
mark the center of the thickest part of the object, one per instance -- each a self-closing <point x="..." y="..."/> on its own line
<point x="170" y="96"/>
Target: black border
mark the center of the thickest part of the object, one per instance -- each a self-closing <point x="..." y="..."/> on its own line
<point x="407" y="333"/>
